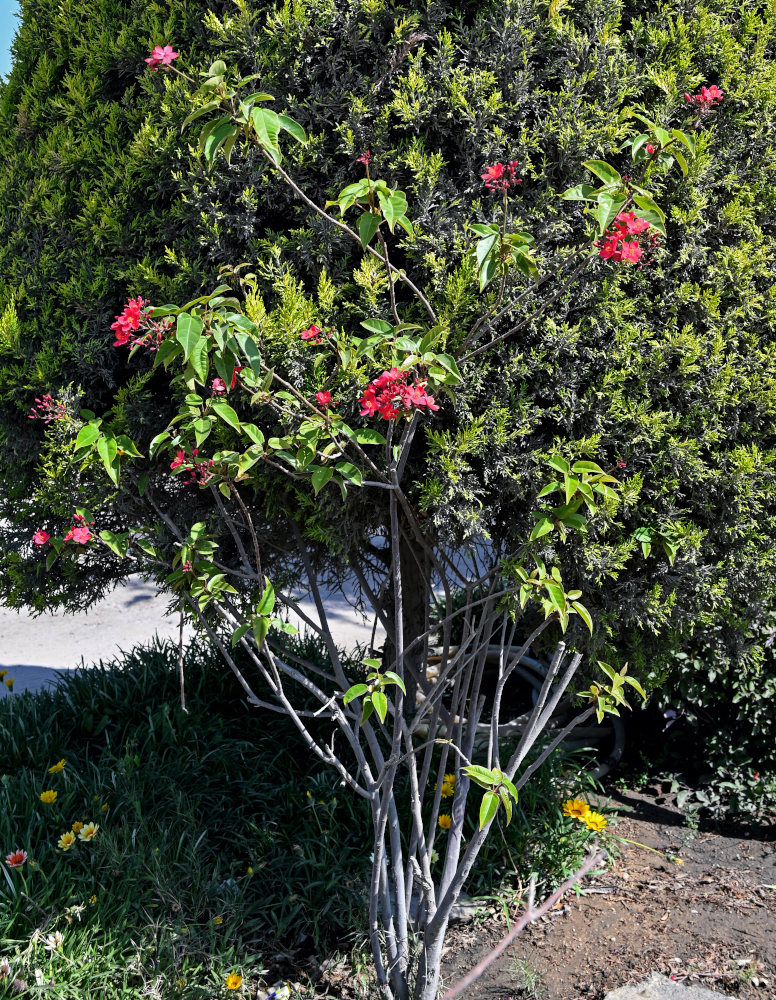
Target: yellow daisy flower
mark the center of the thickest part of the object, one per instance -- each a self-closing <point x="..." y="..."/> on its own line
<point x="77" y="827"/>
<point x="445" y="820"/>
<point x="595" y="821"/>
<point x="92" y="900"/>
<point x="66" y="841"/>
<point x="3" y="673"/>
<point x="448" y="786"/>
<point x="218" y="921"/>
<point x="576" y="808"/>
<point x="88" y="832"/>
<point x="233" y="981"/>
<point x="49" y="797"/>
<point x="59" y="766"/>
<point x="9" y="683"/>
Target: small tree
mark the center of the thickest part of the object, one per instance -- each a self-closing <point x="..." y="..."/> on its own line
<point x="294" y="431"/>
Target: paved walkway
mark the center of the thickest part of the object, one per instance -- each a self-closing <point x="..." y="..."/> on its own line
<point x="35" y="651"/>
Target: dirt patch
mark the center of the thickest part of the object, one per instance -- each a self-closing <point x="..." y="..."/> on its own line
<point x="710" y="921"/>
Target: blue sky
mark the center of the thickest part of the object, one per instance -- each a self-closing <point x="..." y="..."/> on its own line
<point x="8" y="25"/>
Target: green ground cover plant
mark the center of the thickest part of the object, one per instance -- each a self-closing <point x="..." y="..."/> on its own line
<point x="217" y="841"/>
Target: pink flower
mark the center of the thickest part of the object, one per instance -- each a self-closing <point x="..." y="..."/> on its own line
<point x="180" y="458"/>
<point x="620" y="464"/>
<point x="161" y="57"/>
<point x="650" y="149"/>
<point x="16" y="858"/>
<point x="47" y="410"/>
<point x="40" y="537"/>
<point x="706" y="102"/>
<point x="623" y="240"/>
<point x="500" y="177"/>
<point x="218" y="386"/>
<point x="79" y="535"/>
<point x="197" y="472"/>
<point x="323" y="398"/>
<point x="391" y="396"/>
<point x="313" y="334"/>
<point x="365" y="158"/>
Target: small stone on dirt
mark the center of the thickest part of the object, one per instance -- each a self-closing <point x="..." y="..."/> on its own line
<point x="657" y="987"/>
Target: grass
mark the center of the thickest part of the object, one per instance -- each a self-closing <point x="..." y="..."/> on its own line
<point x="219" y="840"/>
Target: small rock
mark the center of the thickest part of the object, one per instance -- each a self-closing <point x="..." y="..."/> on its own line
<point x="657" y="987"/>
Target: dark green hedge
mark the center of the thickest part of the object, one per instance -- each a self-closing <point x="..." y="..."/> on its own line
<point x="671" y="368"/>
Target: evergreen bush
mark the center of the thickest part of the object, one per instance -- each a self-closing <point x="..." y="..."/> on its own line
<point x="671" y="369"/>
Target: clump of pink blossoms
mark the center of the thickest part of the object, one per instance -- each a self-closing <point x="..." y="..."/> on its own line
<point x="624" y="240"/>
<point x="197" y="472"/>
<point x="501" y="177"/>
<point x="40" y="537"/>
<point x="135" y="326"/>
<point x="47" y="409"/>
<point x="79" y="533"/>
<point x="707" y="101"/>
<point x="391" y="396"/>
<point x="161" y="56"/>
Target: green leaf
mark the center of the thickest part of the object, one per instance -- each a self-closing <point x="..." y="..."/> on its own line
<point x="267" y="600"/>
<point x="393" y="207"/>
<point x="376" y="326"/>
<point x="609" y="207"/>
<point x="199" y="112"/>
<point x="199" y="359"/>
<point x="365" y="435"/>
<point x="320" y="478"/>
<point x="480" y="775"/>
<point x="226" y="413"/>
<point x="157" y="442"/>
<point x="267" y="126"/>
<point x="505" y="798"/>
<point x="168" y="350"/>
<point x="380" y="703"/>
<point x="292" y="127"/>
<point x="355" y="692"/>
<point x="391" y="676"/>
<point x="188" y="332"/>
<point x="87" y="436"/>
<point x="558" y="463"/>
<point x="367" y="227"/>
<point x="651" y="212"/>
<point x="487" y="273"/>
<point x="142" y="484"/>
<point x="240" y="632"/>
<point x="587" y="467"/>
<point x="550" y="488"/>
<point x="217" y="137"/>
<point x="543" y="527"/>
<point x="260" y="629"/>
<point x="581" y="192"/>
<point x="603" y="170"/>
<point x="348" y="471"/>
<point x="367" y="709"/>
<point x="556" y="595"/>
<point x="106" y="448"/>
<point x="484" y="249"/>
<point x="488" y="808"/>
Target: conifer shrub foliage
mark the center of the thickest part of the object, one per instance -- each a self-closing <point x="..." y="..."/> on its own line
<point x="669" y="368"/>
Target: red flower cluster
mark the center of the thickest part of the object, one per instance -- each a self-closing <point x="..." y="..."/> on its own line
<point x="313" y="334"/>
<point x="391" y="396"/>
<point x="500" y="177"/>
<point x="40" y="537"/>
<point x="137" y="317"/>
<point x="79" y="533"/>
<point x="324" y="399"/>
<point x="197" y="472"/>
<point x="161" y="57"/>
<point x="365" y="158"/>
<point x="218" y="386"/>
<point x="623" y="242"/>
<point x="47" y="410"/>
<point x="706" y="102"/>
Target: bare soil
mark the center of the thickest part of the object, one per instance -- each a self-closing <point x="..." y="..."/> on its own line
<point x="710" y="921"/>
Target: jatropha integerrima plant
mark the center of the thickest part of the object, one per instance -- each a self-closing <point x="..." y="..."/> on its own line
<point x="273" y="434"/>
